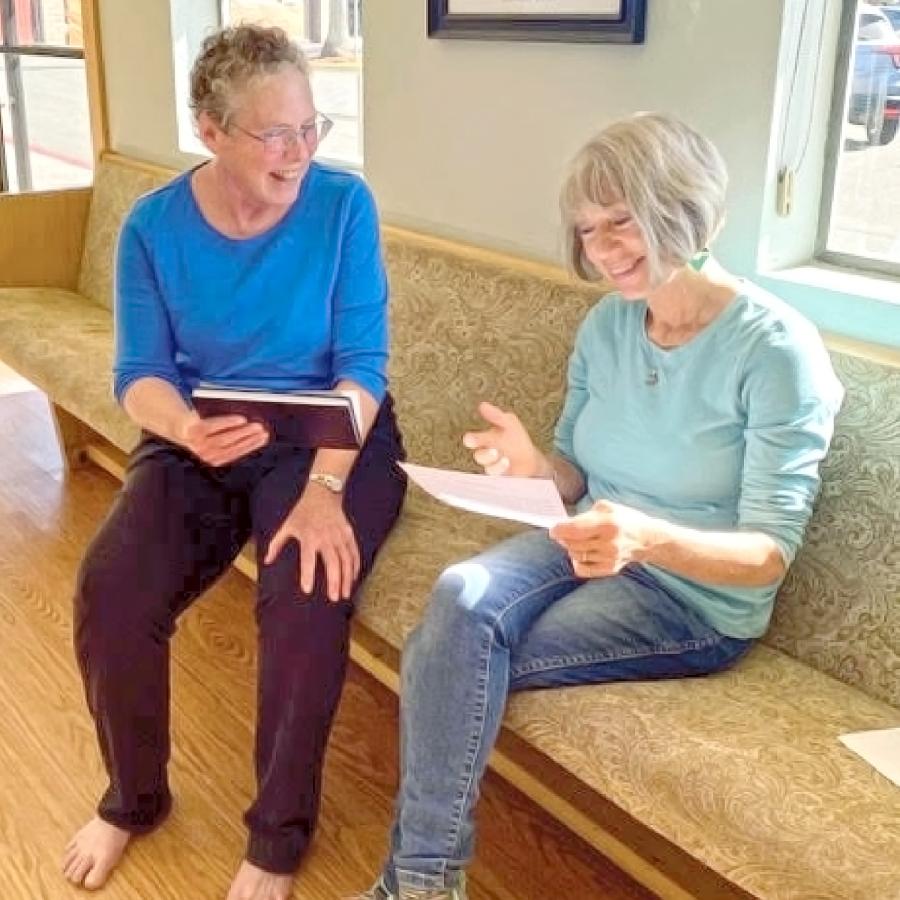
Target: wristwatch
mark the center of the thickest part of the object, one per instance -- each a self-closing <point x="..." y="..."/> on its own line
<point x="328" y="481"/>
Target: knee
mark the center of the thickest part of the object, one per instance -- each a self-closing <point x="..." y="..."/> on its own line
<point x="285" y="613"/>
<point x="458" y="615"/>
<point x="462" y="600"/>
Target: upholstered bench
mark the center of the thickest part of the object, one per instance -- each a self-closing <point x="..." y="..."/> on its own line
<point x="733" y="785"/>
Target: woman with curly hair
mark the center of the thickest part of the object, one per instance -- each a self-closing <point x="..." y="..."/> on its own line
<point x="259" y="268"/>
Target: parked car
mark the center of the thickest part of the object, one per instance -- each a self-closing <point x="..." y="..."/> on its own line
<point x="893" y="91"/>
<point x="875" y="87"/>
<point x="893" y="14"/>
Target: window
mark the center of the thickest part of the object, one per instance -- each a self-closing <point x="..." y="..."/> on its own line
<point x="45" y="134"/>
<point x="861" y="225"/>
<point x="329" y="33"/>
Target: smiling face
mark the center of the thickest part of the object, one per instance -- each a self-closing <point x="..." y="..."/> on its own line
<point x="264" y="175"/>
<point x="614" y="245"/>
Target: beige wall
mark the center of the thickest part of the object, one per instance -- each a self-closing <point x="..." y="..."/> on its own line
<point x="140" y="85"/>
<point x="469" y="138"/>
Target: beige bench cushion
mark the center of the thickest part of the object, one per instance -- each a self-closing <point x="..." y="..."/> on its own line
<point x="63" y="343"/>
<point x="750" y="756"/>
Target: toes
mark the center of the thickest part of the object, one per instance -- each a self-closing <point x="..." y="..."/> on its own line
<point x="79" y="868"/>
<point x="69" y="856"/>
<point x="97" y="876"/>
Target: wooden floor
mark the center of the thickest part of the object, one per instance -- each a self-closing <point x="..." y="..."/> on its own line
<point x="50" y="774"/>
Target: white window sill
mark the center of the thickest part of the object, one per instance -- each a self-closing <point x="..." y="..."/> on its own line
<point x="871" y="285"/>
<point x="857" y="312"/>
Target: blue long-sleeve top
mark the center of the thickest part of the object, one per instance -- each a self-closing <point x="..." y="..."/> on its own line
<point x="725" y="432"/>
<point x="303" y="305"/>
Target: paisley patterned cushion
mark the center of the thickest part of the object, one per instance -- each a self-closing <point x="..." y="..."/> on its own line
<point x="839" y="609"/>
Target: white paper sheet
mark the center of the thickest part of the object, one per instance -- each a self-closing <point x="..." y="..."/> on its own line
<point x="880" y="749"/>
<point x="535" y="501"/>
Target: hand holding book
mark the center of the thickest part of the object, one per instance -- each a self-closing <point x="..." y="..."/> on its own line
<point x="222" y="440"/>
<point x="307" y="419"/>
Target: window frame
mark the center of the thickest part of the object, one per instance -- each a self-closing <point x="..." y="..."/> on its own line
<point x="833" y="149"/>
<point x="90" y="52"/>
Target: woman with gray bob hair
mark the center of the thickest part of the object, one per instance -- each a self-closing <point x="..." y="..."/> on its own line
<point x="672" y="179"/>
<point x="698" y="409"/>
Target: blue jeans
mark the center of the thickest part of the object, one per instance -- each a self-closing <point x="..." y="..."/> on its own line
<point x="516" y="617"/>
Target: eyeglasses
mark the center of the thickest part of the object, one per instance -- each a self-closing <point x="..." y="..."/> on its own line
<point x="283" y="138"/>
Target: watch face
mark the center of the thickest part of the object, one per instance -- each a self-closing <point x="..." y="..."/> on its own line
<point x="332" y="482"/>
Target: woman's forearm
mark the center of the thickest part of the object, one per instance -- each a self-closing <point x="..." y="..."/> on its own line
<point x="609" y="536"/>
<point x="735" y="558"/>
<point x="340" y="462"/>
<point x="567" y="478"/>
<point x="156" y="405"/>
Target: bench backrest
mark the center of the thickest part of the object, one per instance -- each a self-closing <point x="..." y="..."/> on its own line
<point x="471" y="325"/>
<point x="116" y="187"/>
<point x="839" y="608"/>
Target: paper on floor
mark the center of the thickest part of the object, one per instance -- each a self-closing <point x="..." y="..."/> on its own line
<point x="535" y="501"/>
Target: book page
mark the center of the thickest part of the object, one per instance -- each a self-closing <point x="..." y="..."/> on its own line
<point x="535" y="501"/>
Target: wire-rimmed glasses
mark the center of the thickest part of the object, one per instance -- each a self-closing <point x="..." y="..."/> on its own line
<point x="284" y="137"/>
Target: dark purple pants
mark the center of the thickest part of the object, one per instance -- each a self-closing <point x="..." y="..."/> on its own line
<point x="173" y="530"/>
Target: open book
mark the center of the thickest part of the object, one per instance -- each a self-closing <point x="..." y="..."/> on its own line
<point x="308" y="419"/>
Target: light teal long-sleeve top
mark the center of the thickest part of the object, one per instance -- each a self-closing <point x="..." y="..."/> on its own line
<point x="725" y="432"/>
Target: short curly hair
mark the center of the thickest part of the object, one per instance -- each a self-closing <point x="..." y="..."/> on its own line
<point x="672" y="179"/>
<point x="230" y="59"/>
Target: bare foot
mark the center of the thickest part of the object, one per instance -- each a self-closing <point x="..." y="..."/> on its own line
<point x="252" y="883"/>
<point x="93" y="853"/>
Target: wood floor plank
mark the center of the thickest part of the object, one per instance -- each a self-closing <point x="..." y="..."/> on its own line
<point x="50" y="773"/>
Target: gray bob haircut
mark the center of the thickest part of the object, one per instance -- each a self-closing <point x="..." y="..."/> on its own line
<point x="230" y="59"/>
<point x="671" y="179"/>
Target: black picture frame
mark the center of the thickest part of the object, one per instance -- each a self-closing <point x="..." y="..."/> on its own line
<point x="627" y="26"/>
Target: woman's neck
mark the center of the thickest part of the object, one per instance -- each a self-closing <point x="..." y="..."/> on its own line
<point x="227" y="208"/>
<point x="688" y="302"/>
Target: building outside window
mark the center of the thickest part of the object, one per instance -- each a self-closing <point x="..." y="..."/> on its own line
<point x="329" y="33"/>
<point x="45" y="134"/>
<point x="861" y="214"/>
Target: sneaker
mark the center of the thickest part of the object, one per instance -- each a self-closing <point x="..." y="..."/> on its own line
<point x="379" y="892"/>
<point x="458" y="892"/>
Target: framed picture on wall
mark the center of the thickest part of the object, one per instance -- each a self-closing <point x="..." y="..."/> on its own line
<point x="612" y="21"/>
